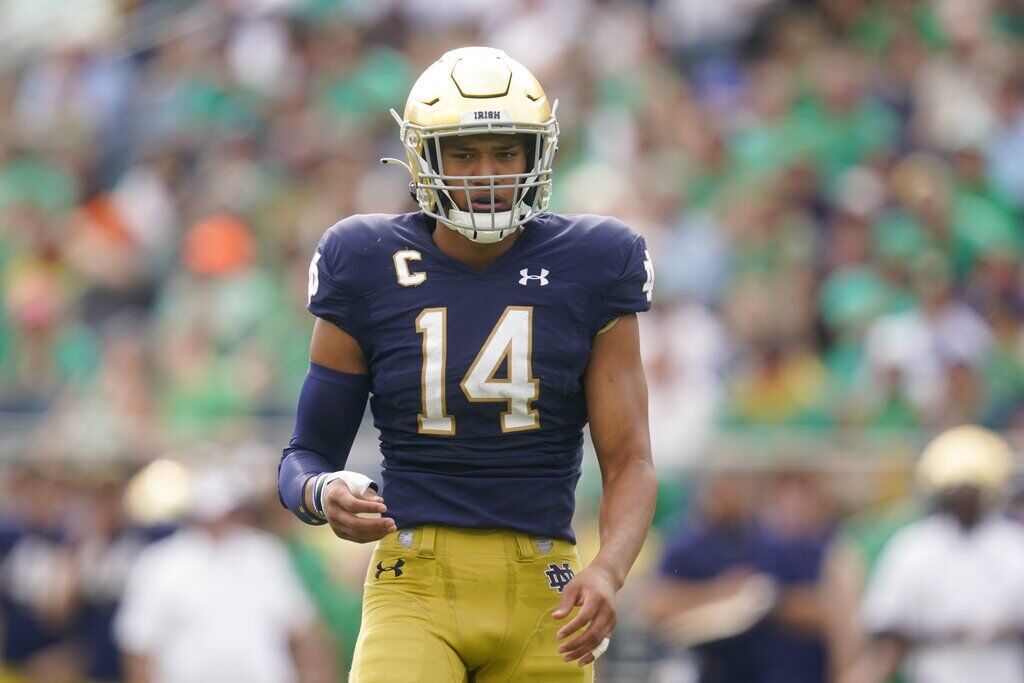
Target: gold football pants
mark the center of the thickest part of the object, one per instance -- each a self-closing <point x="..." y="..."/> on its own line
<point x="457" y="605"/>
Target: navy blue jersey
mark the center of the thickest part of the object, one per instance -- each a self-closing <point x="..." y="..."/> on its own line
<point x="103" y="568"/>
<point x="787" y="656"/>
<point x="701" y="553"/>
<point x="477" y="377"/>
<point x="29" y="562"/>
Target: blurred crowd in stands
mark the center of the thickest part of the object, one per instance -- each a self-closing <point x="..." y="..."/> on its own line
<point x="832" y="190"/>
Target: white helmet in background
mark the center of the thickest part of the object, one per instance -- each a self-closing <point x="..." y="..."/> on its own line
<point x="966" y="456"/>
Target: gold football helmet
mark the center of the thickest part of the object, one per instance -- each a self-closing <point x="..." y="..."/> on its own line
<point x="472" y="91"/>
<point x="966" y="456"/>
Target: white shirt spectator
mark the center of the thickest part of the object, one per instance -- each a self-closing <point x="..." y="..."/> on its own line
<point x="205" y="609"/>
<point x="539" y="34"/>
<point x="687" y="23"/>
<point x="1005" y="153"/>
<point x="922" y="346"/>
<point x="684" y="351"/>
<point x="936" y="581"/>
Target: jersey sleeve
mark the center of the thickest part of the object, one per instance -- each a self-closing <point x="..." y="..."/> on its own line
<point x="632" y="290"/>
<point x="330" y="296"/>
<point x="342" y="272"/>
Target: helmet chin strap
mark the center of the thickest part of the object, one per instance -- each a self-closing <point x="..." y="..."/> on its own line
<point x="462" y="222"/>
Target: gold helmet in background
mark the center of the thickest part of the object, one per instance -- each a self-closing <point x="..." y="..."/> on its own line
<point x="966" y="456"/>
<point x="473" y="91"/>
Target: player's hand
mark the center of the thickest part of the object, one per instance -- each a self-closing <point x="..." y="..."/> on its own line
<point x="594" y="592"/>
<point x="343" y="509"/>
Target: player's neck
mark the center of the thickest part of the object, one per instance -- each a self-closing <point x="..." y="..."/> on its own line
<point x="474" y="254"/>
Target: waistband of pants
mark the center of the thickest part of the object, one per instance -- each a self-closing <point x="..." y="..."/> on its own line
<point x="431" y="541"/>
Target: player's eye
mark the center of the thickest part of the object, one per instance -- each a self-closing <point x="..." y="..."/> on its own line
<point x="462" y="156"/>
<point x="507" y="155"/>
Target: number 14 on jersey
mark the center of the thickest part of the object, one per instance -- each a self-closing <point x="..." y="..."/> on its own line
<point x="510" y="342"/>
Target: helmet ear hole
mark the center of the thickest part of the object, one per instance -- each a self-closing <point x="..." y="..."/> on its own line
<point x="437" y="162"/>
<point x="531" y="159"/>
<point x="534" y="156"/>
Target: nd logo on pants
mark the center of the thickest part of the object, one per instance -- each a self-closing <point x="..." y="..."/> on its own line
<point x="453" y="605"/>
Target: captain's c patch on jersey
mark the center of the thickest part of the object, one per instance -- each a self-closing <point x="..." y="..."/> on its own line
<point x="407" y="278"/>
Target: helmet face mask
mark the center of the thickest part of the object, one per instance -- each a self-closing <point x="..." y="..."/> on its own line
<point x="503" y="98"/>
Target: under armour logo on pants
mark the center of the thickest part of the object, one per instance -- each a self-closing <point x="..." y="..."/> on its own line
<point x="397" y="568"/>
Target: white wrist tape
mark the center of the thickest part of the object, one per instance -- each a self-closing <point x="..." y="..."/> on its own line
<point x="601" y="648"/>
<point x="357" y="484"/>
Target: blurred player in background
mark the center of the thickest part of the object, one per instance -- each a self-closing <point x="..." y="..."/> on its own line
<point x="710" y="595"/>
<point x="946" y="601"/>
<point x="489" y="332"/>
<point x="218" y="601"/>
<point x="36" y="581"/>
<point x="739" y="585"/>
<point x="105" y="544"/>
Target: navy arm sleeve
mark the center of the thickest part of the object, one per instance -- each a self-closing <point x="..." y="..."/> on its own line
<point x="331" y="406"/>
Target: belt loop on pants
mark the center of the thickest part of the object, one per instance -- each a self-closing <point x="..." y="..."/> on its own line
<point x="525" y="545"/>
<point x="426" y="549"/>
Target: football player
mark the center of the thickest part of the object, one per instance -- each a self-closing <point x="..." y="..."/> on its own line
<point x="489" y="332"/>
<point x="944" y="603"/>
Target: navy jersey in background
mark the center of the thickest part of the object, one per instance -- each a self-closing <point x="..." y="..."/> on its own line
<point x="768" y="652"/>
<point x="103" y="566"/>
<point x="31" y="559"/>
<point x="477" y="377"/>
<point x="702" y="553"/>
<point x="794" y="562"/>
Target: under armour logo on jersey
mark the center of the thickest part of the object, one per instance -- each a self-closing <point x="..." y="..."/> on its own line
<point x="559" y="577"/>
<point x="397" y="569"/>
<point x="526" y="277"/>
